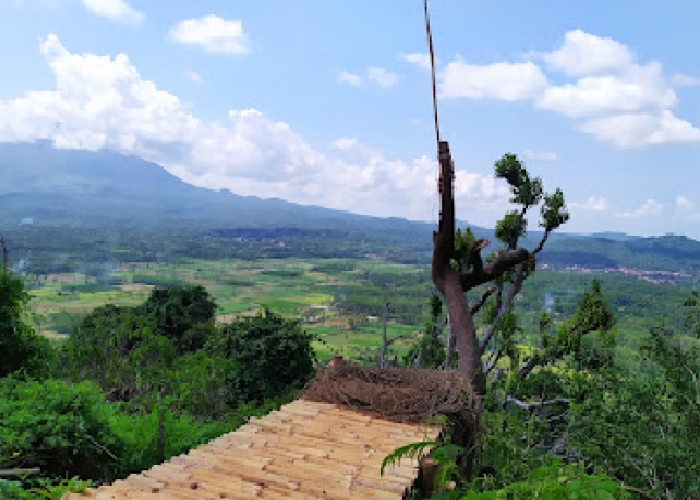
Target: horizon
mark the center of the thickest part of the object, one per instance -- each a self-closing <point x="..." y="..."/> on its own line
<point x="330" y="105"/>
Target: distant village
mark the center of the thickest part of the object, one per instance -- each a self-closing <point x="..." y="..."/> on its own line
<point x="658" y="277"/>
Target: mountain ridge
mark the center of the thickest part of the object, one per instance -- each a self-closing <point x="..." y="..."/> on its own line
<point x="42" y="185"/>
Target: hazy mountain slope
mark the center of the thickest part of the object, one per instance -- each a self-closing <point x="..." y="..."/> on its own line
<point x="104" y="188"/>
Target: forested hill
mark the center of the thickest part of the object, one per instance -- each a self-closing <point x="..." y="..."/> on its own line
<point x="665" y="253"/>
<point x="42" y="188"/>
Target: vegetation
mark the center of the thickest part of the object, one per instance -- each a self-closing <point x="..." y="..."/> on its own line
<point x="119" y="350"/>
<point x="134" y="385"/>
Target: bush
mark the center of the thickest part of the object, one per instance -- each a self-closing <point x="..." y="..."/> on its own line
<point x="271" y="355"/>
<point x="45" y="489"/>
<point x="58" y="427"/>
<point x="554" y="483"/>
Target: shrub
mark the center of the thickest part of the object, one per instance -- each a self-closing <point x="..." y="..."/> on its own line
<point x="271" y="355"/>
<point x="58" y="427"/>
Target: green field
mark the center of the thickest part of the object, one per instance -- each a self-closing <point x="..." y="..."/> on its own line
<point x="306" y="289"/>
<point x="339" y="300"/>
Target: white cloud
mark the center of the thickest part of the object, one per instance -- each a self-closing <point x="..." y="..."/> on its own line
<point x="193" y="76"/>
<point x="621" y="102"/>
<point x="584" y="54"/>
<point x="212" y="34"/>
<point x="344" y="143"/>
<point x="649" y="209"/>
<point x="684" y="203"/>
<point x="681" y="80"/>
<point x="116" y="10"/>
<point x="415" y="121"/>
<point x="375" y="75"/>
<point x="592" y="204"/>
<point x="506" y="81"/>
<point x="418" y="58"/>
<point x="541" y="156"/>
<point x="349" y="78"/>
<point x="103" y="102"/>
<point x="640" y="88"/>
<point x="644" y="129"/>
<point x="381" y="77"/>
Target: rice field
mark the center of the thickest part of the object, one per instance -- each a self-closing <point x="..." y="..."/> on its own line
<point x="299" y="288"/>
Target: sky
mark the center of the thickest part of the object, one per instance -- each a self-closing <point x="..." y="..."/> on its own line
<point x="328" y="102"/>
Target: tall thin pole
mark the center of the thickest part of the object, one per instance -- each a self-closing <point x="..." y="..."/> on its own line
<point x="429" y="36"/>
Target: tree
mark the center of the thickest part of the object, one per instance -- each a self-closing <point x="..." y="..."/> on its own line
<point x="691" y="310"/>
<point x="20" y="347"/>
<point x="270" y="356"/>
<point x="179" y="313"/>
<point x="459" y="267"/>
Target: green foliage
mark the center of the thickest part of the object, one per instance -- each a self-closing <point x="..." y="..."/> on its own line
<point x="555" y="482"/>
<point x="691" y="313"/>
<point x="593" y="311"/>
<point x="270" y="355"/>
<point x="553" y="211"/>
<point x="526" y="191"/>
<point x="61" y="428"/>
<point x="430" y="347"/>
<point x="45" y="489"/>
<point x="20" y="347"/>
<point x="463" y="246"/>
<point x="511" y="227"/>
<point x="179" y="312"/>
<point x="410" y="451"/>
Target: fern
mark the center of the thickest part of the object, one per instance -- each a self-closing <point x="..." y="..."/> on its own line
<point x="412" y="450"/>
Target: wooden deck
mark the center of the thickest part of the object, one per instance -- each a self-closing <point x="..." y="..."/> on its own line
<point x="306" y="450"/>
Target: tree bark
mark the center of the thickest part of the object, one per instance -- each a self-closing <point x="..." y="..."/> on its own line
<point x="382" y="360"/>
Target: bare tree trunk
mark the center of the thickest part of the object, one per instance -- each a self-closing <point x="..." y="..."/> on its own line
<point x="447" y="281"/>
<point x="451" y="346"/>
<point x="382" y="360"/>
<point x="5" y="255"/>
<point x="462" y="324"/>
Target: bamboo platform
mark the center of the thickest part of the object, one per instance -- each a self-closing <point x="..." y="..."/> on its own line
<point x="305" y="450"/>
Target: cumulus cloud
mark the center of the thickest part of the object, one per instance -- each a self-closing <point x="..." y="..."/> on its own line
<point x="649" y="209"/>
<point x="612" y="96"/>
<point x="640" y="88"/>
<point x="506" y="81"/>
<point x="583" y="54"/>
<point x="381" y="77"/>
<point x="418" y="58"/>
<point x="541" y="155"/>
<point x="592" y="204"/>
<point x="116" y="10"/>
<point x="642" y="129"/>
<point x="103" y="102"/>
<point x="212" y="34"/>
<point x="349" y="78"/>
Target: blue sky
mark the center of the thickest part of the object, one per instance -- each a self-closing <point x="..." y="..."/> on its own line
<point x="328" y="102"/>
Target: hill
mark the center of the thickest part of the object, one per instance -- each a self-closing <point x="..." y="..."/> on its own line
<point x="43" y="189"/>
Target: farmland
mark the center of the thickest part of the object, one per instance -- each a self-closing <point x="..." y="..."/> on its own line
<point x="308" y="289"/>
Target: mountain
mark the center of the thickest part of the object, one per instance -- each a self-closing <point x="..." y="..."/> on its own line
<point x="57" y="186"/>
<point x="51" y="188"/>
